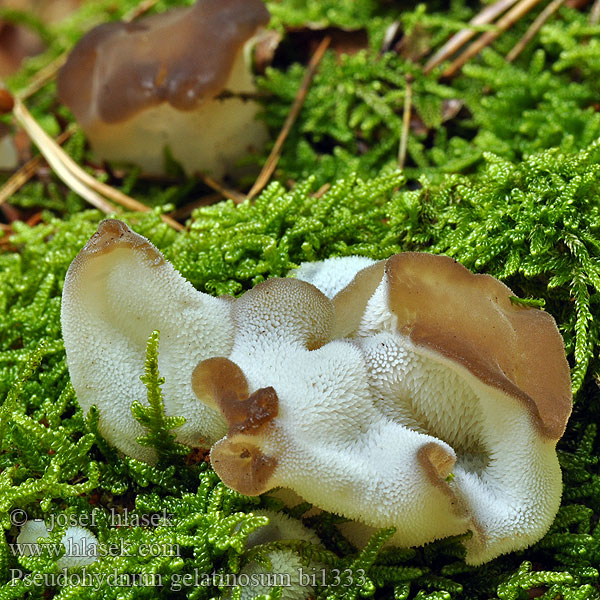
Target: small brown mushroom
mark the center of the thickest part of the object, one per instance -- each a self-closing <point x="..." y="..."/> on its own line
<point x="140" y="88"/>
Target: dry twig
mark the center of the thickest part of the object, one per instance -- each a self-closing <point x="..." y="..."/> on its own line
<point x="273" y="159"/>
<point x="58" y="160"/>
<point x="89" y="188"/>
<point x="139" y="10"/>
<point x="405" y="123"/>
<point x="185" y="211"/>
<point x="504" y="23"/>
<point x="43" y="76"/>
<point x="534" y="28"/>
<point x="27" y="171"/>
<point x="322" y="190"/>
<point x="487" y="15"/>
<point x="213" y="184"/>
<point x="595" y="13"/>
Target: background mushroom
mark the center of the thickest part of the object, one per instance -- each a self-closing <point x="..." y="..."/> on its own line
<point x="117" y="291"/>
<point x="81" y="545"/>
<point x="286" y="563"/>
<point x="140" y="88"/>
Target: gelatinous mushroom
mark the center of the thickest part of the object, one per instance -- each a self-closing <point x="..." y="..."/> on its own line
<point x="300" y="413"/>
<point x="117" y="291"/>
<point x="450" y="354"/>
<point x="287" y="567"/>
<point x="419" y="396"/>
<point x="81" y="545"/>
<point x="139" y="88"/>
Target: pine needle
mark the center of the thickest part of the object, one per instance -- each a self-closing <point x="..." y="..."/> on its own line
<point x="27" y="171"/>
<point x="533" y="30"/>
<point x="273" y="159"/>
<point x="405" y="123"/>
<point x="595" y="13"/>
<point x="504" y="23"/>
<point x="82" y="183"/>
<point x="487" y="15"/>
<point x="59" y="161"/>
<point x="218" y="187"/>
<point x="43" y="76"/>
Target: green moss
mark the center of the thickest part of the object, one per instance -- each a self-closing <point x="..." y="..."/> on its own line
<point x="352" y="117"/>
<point x="232" y="247"/>
<point x="508" y="186"/>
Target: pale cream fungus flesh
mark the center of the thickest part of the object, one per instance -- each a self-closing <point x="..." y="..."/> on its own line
<point x="414" y="394"/>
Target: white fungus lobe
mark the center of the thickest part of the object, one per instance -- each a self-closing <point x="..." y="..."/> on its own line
<point x="80" y="544"/>
<point x="408" y="392"/>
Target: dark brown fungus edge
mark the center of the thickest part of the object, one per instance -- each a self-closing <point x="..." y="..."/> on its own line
<point x="240" y="464"/>
<point x="469" y="319"/>
<point x="113" y="234"/>
<point x="96" y="82"/>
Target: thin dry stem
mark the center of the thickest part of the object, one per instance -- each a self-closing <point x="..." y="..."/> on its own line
<point x="322" y="190"/>
<point x="53" y="153"/>
<point x="139" y="10"/>
<point x="215" y="185"/>
<point x="504" y="23"/>
<point x="273" y="159"/>
<point x="487" y="15"/>
<point x="27" y="171"/>
<point x="405" y="124"/>
<point x="89" y="188"/>
<point x="595" y="13"/>
<point x="184" y="212"/>
<point x="534" y="28"/>
<point x="43" y="76"/>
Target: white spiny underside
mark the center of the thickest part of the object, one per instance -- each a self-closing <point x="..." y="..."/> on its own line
<point x="506" y="476"/>
<point x="355" y="415"/>
<point x="111" y="304"/>
<point x="332" y="275"/>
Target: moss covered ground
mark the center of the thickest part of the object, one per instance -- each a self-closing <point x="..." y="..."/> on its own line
<point x="508" y="185"/>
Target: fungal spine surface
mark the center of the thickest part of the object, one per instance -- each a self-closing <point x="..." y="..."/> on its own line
<point x="117" y="291"/>
<point x="416" y="396"/>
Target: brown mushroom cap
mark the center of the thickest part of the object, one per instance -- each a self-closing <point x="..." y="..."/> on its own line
<point x="470" y="319"/>
<point x="237" y="458"/>
<point x="181" y="57"/>
<point x="113" y="234"/>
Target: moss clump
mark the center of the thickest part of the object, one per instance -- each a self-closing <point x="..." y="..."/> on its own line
<point x="229" y="248"/>
<point x="508" y="185"/>
<point x="353" y="111"/>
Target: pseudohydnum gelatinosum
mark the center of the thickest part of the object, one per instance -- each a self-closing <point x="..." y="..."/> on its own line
<point x="417" y="395"/>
